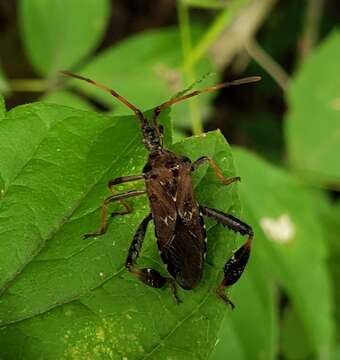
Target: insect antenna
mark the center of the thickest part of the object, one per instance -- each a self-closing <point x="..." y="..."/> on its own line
<point x="175" y="100"/>
<point x="138" y="112"/>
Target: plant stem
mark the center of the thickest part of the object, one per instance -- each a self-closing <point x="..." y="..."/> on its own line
<point x="192" y="56"/>
<point x="188" y="69"/>
<point x="267" y="63"/>
<point x="242" y="28"/>
<point x="310" y="33"/>
<point x="205" y="4"/>
<point x="28" y="85"/>
<point x="222" y="20"/>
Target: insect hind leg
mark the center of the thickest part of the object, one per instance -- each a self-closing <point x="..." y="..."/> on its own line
<point x="148" y="276"/>
<point x="235" y="266"/>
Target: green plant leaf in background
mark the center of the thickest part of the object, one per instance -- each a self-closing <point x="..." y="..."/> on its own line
<point x="67" y="98"/>
<point x="290" y="240"/>
<point x="313" y="120"/>
<point x="294" y="342"/>
<point x="331" y="220"/>
<point x="58" y="35"/>
<point x="251" y="331"/>
<point x="64" y="297"/>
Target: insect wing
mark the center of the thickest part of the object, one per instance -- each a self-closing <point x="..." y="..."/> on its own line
<point x="188" y="246"/>
<point x="184" y="253"/>
<point x="164" y="211"/>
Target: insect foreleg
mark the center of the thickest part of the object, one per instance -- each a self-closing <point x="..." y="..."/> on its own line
<point x="109" y="199"/>
<point x="148" y="276"/>
<point x="124" y="179"/>
<point x="217" y="170"/>
<point x="235" y="266"/>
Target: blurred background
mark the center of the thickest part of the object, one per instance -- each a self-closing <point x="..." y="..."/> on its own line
<point x="285" y="130"/>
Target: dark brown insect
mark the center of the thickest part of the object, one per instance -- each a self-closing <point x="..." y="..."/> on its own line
<point x="178" y="219"/>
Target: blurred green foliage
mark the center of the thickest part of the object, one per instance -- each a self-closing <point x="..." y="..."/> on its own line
<point x="62" y="297"/>
<point x="314" y="104"/>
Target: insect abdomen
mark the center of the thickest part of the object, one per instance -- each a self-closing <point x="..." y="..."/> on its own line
<point x="184" y="256"/>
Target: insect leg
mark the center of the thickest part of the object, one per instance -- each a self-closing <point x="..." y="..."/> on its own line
<point x="121" y="180"/>
<point x="124" y="179"/>
<point x="148" y="276"/>
<point x="235" y="266"/>
<point x="217" y="170"/>
<point x="109" y="199"/>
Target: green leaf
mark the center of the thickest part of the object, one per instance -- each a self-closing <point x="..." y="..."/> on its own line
<point x="313" y="120"/>
<point x="331" y="222"/>
<point x="240" y="336"/>
<point x="2" y="107"/>
<point x="67" y="98"/>
<point x="145" y="68"/>
<point x="294" y="343"/>
<point x="58" y="35"/>
<point x="290" y="240"/>
<point x="65" y="297"/>
<point x="336" y="355"/>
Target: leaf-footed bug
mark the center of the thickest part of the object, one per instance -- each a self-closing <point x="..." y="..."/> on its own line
<point x="178" y="219"/>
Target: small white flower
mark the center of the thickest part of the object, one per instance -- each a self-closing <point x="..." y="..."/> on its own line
<point x="281" y="230"/>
